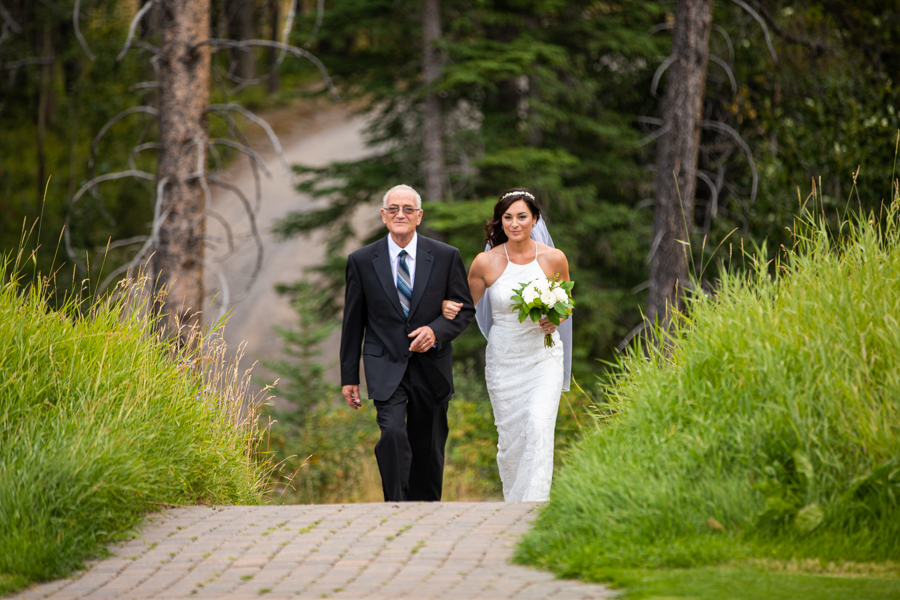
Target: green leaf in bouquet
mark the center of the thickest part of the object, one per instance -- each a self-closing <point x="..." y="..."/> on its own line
<point x="518" y="299"/>
<point x="535" y="314"/>
<point x="553" y="317"/>
<point x="522" y="314"/>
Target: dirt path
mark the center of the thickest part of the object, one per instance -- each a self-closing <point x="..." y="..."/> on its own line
<point x="358" y="551"/>
<point x="311" y="136"/>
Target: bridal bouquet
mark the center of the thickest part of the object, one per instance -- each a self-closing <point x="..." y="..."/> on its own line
<point x="544" y="296"/>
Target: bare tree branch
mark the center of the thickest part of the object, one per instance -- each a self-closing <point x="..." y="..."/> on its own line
<point x="251" y="218"/>
<point x="143" y="85"/>
<point x="140" y="148"/>
<point x="653" y="247"/>
<point x="268" y="129"/>
<point x="725" y="66"/>
<point x="8" y="19"/>
<point x="644" y="324"/>
<point x="126" y="242"/>
<point x="219" y="44"/>
<point x="201" y="169"/>
<point x="762" y="24"/>
<point x="816" y="47"/>
<point x="714" y="196"/>
<point x="226" y="292"/>
<point x="234" y="130"/>
<point x="727" y="42"/>
<point x="229" y="236"/>
<point x="24" y="62"/>
<point x="651" y="120"/>
<point x="659" y="73"/>
<point x="655" y="135"/>
<point x="718" y="125"/>
<point x="130" y="111"/>
<point x="246" y="150"/>
<point x="81" y="40"/>
<point x="133" y="27"/>
<point x="87" y="186"/>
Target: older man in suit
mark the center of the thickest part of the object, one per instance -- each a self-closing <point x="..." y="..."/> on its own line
<point x="392" y="315"/>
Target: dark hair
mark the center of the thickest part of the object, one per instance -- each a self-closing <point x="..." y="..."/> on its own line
<point x="494" y="227"/>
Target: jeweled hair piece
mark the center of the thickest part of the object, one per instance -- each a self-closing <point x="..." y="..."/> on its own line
<point x="518" y="193"/>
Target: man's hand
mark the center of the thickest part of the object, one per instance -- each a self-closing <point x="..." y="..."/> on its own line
<point x="351" y="395"/>
<point x="424" y="339"/>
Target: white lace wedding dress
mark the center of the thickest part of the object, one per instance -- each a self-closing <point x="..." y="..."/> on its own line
<point x="524" y="381"/>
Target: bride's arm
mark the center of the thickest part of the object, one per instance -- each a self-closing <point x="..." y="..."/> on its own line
<point x="477" y="286"/>
<point x="556" y="262"/>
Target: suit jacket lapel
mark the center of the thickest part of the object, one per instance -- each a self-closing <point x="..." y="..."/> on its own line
<point x="382" y="265"/>
<point x="424" y="262"/>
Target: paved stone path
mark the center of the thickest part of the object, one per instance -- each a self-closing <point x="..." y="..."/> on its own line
<point x="372" y="551"/>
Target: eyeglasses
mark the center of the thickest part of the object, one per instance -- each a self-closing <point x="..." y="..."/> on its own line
<point x="407" y="210"/>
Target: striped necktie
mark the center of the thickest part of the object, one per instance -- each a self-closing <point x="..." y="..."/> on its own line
<point x="404" y="287"/>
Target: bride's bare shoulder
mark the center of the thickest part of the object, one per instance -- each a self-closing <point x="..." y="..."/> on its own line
<point x="489" y="261"/>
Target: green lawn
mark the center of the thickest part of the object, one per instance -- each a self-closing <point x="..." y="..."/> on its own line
<point x="726" y="584"/>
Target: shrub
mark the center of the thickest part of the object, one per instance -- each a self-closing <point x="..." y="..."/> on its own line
<point x="769" y="428"/>
<point x="103" y="420"/>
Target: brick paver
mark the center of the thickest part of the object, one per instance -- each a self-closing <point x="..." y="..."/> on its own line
<point x="350" y="551"/>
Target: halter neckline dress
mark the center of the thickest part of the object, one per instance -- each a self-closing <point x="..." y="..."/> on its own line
<point x="524" y="380"/>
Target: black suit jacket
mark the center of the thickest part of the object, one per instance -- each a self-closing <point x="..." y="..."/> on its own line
<point x="374" y="321"/>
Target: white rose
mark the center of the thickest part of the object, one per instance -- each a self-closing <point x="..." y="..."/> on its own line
<point x="529" y="294"/>
<point x="548" y="298"/>
<point x="543" y="284"/>
<point x="561" y="295"/>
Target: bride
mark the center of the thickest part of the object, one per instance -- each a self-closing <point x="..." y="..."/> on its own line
<point x="524" y="379"/>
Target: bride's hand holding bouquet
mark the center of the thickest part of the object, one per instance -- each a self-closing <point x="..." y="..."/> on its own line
<point x="544" y="296"/>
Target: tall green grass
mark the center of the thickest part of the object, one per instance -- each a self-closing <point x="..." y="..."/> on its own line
<point x="103" y="419"/>
<point x="769" y="428"/>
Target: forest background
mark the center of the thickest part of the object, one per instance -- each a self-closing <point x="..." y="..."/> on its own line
<point x="560" y="97"/>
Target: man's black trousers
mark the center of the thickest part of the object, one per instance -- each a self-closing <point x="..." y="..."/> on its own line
<point x="414" y="431"/>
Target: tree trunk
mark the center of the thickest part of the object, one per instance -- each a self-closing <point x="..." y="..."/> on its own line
<point x="183" y="99"/>
<point x="240" y="27"/>
<point x="676" y="157"/>
<point x="433" y="124"/>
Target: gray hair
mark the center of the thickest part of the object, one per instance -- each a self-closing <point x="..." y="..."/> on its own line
<point x="402" y="186"/>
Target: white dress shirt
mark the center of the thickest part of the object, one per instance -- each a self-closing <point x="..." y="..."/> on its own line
<point x="394" y="253"/>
